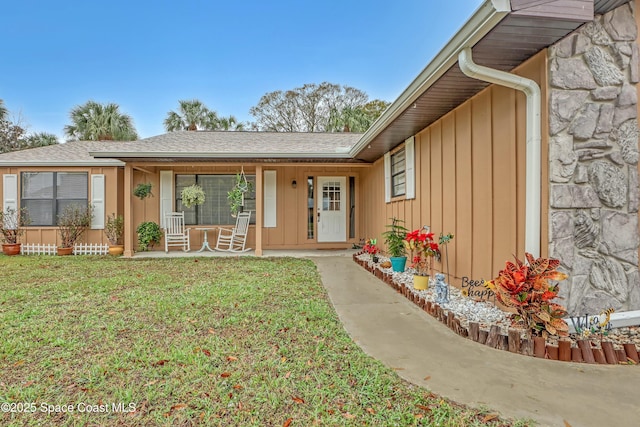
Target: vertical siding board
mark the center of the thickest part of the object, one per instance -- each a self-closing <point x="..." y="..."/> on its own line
<point x="449" y="186"/>
<point x="436" y="179"/>
<point x="464" y="196"/>
<point x="415" y="203"/>
<point x="504" y="176"/>
<point x="481" y="152"/>
<point x="425" y="182"/>
<point x="289" y="233"/>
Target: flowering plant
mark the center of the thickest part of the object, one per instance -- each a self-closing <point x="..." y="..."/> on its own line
<point x="525" y="287"/>
<point x="423" y="248"/>
<point x="370" y="247"/>
<point x="192" y="195"/>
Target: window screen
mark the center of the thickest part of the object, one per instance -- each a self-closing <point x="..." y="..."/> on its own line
<point x="46" y="194"/>
<point x="398" y="180"/>
<point x="215" y="209"/>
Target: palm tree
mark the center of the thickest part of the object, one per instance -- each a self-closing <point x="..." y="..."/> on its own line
<point x="100" y="122"/>
<point x="41" y="139"/>
<point x="192" y="115"/>
<point x="230" y="123"/>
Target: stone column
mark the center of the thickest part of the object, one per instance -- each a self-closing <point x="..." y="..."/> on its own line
<point x="593" y="155"/>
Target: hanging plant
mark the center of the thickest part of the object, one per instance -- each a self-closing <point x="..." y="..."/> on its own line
<point x="192" y="195"/>
<point x="236" y="195"/>
<point x="143" y="190"/>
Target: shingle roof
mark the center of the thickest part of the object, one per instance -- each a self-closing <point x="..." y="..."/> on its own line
<point x="183" y="145"/>
<point x="222" y="144"/>
<point x="73" y="153"/>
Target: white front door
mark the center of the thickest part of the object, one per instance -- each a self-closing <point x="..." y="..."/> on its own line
<point x="332" y="209"/>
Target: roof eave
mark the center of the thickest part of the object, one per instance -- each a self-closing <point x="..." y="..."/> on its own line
<point x="209" y="155"/>
<point x="488" y="15"/>
<point x="30" y="163"/>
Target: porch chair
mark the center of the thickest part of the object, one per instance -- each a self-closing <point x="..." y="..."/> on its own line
<point x="235" y="239"/>
<point x="174" y="232"/>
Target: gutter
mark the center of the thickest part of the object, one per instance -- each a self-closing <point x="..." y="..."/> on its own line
<point x="488" y="15"/>
<point x="533" y="169"/>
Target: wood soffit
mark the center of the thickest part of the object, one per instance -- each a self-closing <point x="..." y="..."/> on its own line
<point x="532" y="26"/>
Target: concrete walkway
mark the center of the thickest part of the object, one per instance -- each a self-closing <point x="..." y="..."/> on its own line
<point x="423" y="351"/>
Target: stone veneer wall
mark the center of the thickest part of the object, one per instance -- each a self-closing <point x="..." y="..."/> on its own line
<point x="593" y="154"/>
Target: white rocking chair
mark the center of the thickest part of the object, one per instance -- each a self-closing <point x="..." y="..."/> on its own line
<point x="174" y="232"/>
<point x="235" y="239"/>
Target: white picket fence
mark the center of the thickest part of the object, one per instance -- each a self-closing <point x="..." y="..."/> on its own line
<point x="37" y="249"/>
<point x="90" y="249"/>
<point x="50" y="249"/>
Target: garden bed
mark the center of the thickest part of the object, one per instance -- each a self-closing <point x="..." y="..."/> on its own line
<point x="487" y="324"/>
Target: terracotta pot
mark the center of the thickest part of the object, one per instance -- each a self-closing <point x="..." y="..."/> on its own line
<point x="11" y="248"/>
<point x="420" y="283"/>
<point x="116" y="250"/>
<point x="65" y="251"/>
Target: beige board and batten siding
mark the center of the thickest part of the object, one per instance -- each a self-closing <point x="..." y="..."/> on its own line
<point x="290" y="231"/>
<point x="470" y="180"/>
<point x="112" y="201"/>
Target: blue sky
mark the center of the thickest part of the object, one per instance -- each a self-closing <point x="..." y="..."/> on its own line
<point x="146" y="55"/>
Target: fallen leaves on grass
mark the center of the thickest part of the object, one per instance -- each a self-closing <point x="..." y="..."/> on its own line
<point x="489" y="417"/>
<point x="177" y="407"/>
<point x="159" y="362"/>
<point x="287" y="423"/>
<point x="225" y="375"/>
<point x="298" y="400"/>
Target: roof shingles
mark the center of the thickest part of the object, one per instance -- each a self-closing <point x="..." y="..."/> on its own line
<point x="189" y="144"/>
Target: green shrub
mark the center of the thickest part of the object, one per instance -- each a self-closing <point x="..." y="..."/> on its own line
<point x="149" y="233"/>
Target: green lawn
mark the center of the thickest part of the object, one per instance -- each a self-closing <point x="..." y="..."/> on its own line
<point x="210" y="341"/>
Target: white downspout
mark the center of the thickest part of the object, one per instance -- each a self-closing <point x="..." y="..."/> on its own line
<point x="533" y="170"/>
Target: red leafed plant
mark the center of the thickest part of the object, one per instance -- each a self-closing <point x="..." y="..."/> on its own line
<point x="370" y="247"/>
<point x="525" y="287"/>
<point x="423" y="249"/>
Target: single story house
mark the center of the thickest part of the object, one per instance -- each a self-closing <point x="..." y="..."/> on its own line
<point x="520" y="135"/>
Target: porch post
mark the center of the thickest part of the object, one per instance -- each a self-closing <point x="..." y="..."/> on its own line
<point x="128" y="214"/>
<point x="259" y="209"/>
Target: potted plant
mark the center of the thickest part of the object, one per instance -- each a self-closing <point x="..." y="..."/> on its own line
<point x="423" y="249"/>
<point x="372" y="249"/>
<point x="192" y="195"/>
<point x="149" y="233"/>
<point x="114" y="230"/>
<point x="12" y="222"/>
<point x="143" y="190"/>
<point x="394" y="239"/>
<point x="72" y="223"/>
<point x="236" y="195"/>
